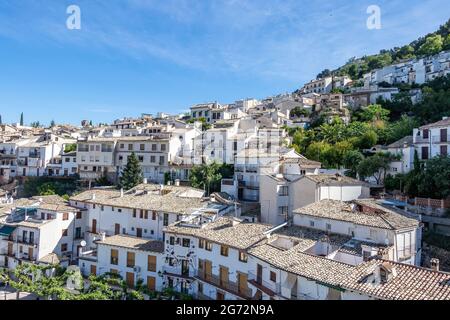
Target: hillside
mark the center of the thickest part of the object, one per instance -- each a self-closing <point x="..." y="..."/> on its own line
<point x="430" y="44"/>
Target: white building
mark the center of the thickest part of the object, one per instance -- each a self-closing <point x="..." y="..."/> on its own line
<point x="433" y="139"/>
<point x="404" y="148"/>
<point x="134" y="259"/>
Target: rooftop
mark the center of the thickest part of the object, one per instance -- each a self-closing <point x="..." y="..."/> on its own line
<point x="241" y="235"/>
<point x="174" y="199"/>
<point x="363" y="212"/>
<point x="333" y="179"/>
<point x="134" y="243"/>
<point x="442" y="123"/>
<point x="408" y="283"/>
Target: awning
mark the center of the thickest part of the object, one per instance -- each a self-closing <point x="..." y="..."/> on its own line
<point x="6" y="230"/>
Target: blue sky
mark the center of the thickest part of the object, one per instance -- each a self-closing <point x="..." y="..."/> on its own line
<point x="145" y="56"/>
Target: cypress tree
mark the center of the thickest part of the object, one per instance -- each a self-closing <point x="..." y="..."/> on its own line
<point x="21" y="119"/>
<point x="132" y="173"/>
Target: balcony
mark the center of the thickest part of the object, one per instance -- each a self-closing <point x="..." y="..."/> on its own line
<point x="252" y="186"/>
<point x="269" y="288"/>
<point x="441" y="139"/>
<point x="22" y="240"/>
<point x="229" y="286"/>
<point x="420" y="139"/>
<point x="251" y="169"/>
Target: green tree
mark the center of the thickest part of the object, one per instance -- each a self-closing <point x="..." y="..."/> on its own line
<point x="435" y="178"/>
<point x="433" y="45"/>
<point x="132" y="173"/>
<point x="447" y="42"/>
<point x="71" y="147"/>
<point x="52" y="124"/>
<point x="206" y="176"/>
<point x="351" y="161"/>
<point x="21" y="119"/>
<point x="367" y="140"/>
<point x="401" y="128"/>
<point x="375" y="166"/>
<point x="374" y="113"/>
<point x="35" y="124"/>
<point x="319" y="151"/>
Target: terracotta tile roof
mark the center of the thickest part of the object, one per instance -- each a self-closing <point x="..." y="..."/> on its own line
<point x="181" y="200"/>
<point x="371" y="214"/>
<point x="241" y="236"/>
<point x="409" y="283"/>
<point x="134" y="243"/>
<point x="332" y="179"/>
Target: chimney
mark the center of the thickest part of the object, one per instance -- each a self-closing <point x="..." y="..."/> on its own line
<point x="177" y="182"/>
<point x="145" y="181"/>
<point x="121" y="192"/>
<point x="103" y="235"/>
<point x="444" y="118"/>
<point x="434" y="264"/>
<point x="93" y="196"/>
<point x="169" y="183"/>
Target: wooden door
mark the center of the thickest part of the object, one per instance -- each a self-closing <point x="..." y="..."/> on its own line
<point x="10" y="249"/>
<point x="93" y="269"/>
<point x="242" y="282"/>
<point x="259" y="271"/>
<point x="208" y="269"/>
<point x="223" y="276"/>
<point x="220" y="296"/>
<point x="130" y="279"/>
<point x="94" y="226"/>
<point x="443" y="135"/>
<point x="117" y="229"/>
<point x="30" y="253"/>
<point x="139" y="232"/>
<point x="151" y="283"/>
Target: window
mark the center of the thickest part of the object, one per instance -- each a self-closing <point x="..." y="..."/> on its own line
<point x="151" y="263"/>
<point x="311" y="223"/>
<point x="163" y="147"/>
<point x="426" y="133"/>
<point x="208" y="246"/>
<point x="142" y="147"/>
<point x="424" y="153"/>
<point x="153" y="147"/>
<point x="130" y="147"/>
<point x="146" y="214"/>
<point x="273" y="276"/>
<point x="283" y="211"/>
<point x="78" y="233"/>
<point x="141" y="158"/>
<point x="153" y="215"/>
<point x="65" y="216"/>
<point x="141" y="214"/>
<point x="65" y="232"/>
<point x="366" y="255"/>
<point x="152" y="159"/>
<point x="172" y="241"/>
<point x="201" y="243"/>
<point x="284" y="191"/>
<point x="166" y="219"/>
<point x="79" y="216"/>
<point x="130" y="259"/>
<point x="114" y="256"/>
<point x="64" y="247"/>
<point x="161" y="160"/>
<point x="119" y="210"/>
<point x="186" y="242"/>
<point x="134" y="213"/>
<point x="328" y="226"/>
<point x="102" y="208"/>
<point x="243" y="256"/>
<point x="224" y="251"/>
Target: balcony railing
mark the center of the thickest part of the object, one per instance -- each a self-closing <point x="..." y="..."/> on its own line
<point x="264" y="285"/>
<point x="441" y="139"/>
<point x="227" y="285"/>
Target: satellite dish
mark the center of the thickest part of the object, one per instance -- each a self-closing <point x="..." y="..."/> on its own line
<point x="83" y="243"/>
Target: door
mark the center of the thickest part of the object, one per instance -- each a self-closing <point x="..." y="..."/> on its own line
<point x="223" y="276"/>
<point x="30" y="253"/>
<point x="151" y="283"/>
<point x="185" y="267"/>
<point x="139" y="232"/>
<point x="220" y="295"/>
<point x="94" y="226"/>
<point x="117" y="229"/>
<point x="242" y="283"/>
<point x="259" y="271"/>
<point x="208" y="270"/>
<point x="93" y="269"/>
<point x="444" y="135"/>
<point x="130" y="279"/>
<point x="79" y="250"/>
<point x="444" y="150"/>
<point x="10" y="249"/>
